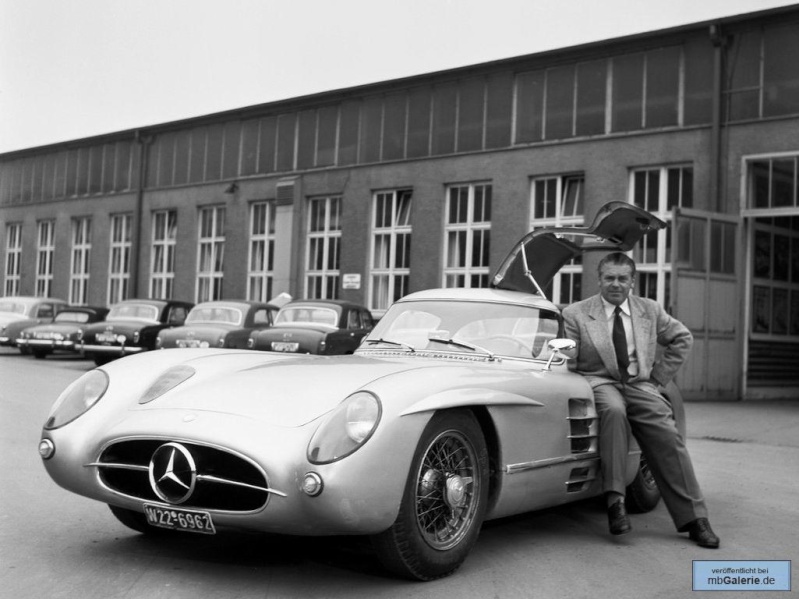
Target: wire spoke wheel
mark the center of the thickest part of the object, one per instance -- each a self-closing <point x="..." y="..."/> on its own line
<point x="444" y="502"/>
<point x="446" y="490"/>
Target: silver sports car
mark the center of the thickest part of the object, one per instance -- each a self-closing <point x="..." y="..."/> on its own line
<point x="457" y="408"/>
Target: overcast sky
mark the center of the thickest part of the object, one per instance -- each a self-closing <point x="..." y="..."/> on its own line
<point x="77" y="68"/>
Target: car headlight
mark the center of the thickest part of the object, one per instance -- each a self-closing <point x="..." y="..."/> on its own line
<point x="76" y="399"/>
<point x="169" y="379"/>
<point x="345" y="429"/>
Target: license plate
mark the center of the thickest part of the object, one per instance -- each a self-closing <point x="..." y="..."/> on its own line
<point x="184" y="343"/>
<point x="285" y="346"/>
<point x="179" y="519"/>
<point x="106" y="338"/>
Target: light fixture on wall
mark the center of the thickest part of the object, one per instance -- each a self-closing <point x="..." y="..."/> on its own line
<point x="232" y="188"/>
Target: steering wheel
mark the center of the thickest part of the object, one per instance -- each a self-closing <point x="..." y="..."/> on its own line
<point x="519" y="348"/>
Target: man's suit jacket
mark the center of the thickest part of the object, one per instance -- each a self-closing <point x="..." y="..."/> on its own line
<point x="587" y="324"/>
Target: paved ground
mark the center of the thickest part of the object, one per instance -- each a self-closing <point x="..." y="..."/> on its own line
<point x="767" y="422"/>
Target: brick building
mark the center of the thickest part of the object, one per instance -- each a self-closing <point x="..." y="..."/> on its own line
<point x="371" y="192"/>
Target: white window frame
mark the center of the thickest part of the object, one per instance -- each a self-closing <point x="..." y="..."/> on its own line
<point x="79" y="268"/>
<point x="261" y="256"/>
<point x="661" y="266"/>
<point x="323" y="248"/>
<point x="13" y="258"/>
<point x="119" y="257"/>
<point x="210" y="254"/>
<point x="564" y="289"/>
<point x="389" y="273"/>
<point x="162" y="256"/>
<point x="470" y="230"/>
<point x="44" y="257"/>
<point x="752" y="213"/>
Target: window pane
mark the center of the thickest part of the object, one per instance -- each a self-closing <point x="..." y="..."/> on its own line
<point x="560" y="102"/>
<point x="662" y="87"/>
<point x="326" y="142"/>
<point x="348" y="135"/>
<point x="286" y="124"/>
<point x="470" y="115"/>
<point x="591" y="92"/>
<point x="529" y="106"/>
<point x="306" y="144"/>
<point x="445" y="99"/>
<point x="394" y="127"/>
<point x="627" y="101"/>
<point x="371" y="124"/>
<point x="783" y="182"/>
<point x="419" y="122"/>
<point x="499" y="96"/>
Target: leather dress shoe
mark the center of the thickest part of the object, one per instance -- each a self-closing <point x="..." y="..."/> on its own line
<point x="618" y="520"/>
<point x="699" y="532"/>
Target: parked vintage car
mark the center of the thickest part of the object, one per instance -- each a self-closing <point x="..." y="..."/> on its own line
<point x="131" y="327"/>
<point x="328" y="327"/>
<point x="219" y="324"/>
<point x="458" y="408"/>
<point x="64" y="334"/>
<point x="20" y="312"/>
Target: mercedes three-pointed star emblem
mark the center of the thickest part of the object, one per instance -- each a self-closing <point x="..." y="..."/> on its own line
<point x="173" y="473"/>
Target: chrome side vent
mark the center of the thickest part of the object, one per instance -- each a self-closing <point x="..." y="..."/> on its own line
<point x="583" y="425"/>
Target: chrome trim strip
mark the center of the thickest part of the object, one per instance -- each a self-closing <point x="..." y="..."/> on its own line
<point x="524" y="466"/>
<point x="120" y="465"/>
<point x="216" y="479"/>
<point x="117" y="349"/>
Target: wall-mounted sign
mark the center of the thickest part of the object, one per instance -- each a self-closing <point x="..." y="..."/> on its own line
<point x="351" y="281"/>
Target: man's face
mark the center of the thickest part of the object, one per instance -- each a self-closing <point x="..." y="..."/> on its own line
<point x="615" y="283"/>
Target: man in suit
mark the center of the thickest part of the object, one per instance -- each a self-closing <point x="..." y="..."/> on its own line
<point x="617" y="335"/>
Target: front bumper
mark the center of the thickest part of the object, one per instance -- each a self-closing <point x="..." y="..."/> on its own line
<point x="49" y="344"/>
<point x="114" y="350"/>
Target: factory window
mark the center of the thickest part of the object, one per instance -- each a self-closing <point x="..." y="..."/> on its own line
<point x="81" y="254"/>
<point x="211" y="254"/>
<point x="119" y="267"/>
<point x="467" y="235"/>
<point x="162" y="262"/>
<point x="391" y="247"/>
<point x="13" y="258"/>
<point x="260" y="272"/>
<point x="323" y="249"/>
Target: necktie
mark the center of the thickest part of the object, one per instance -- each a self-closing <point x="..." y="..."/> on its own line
<point x="620" y="344"/>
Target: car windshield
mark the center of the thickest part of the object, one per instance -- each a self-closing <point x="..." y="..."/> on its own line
<point x="215" y="315"/>
<point x="307" y="314"/>
<point x="134" y="312"/>
<point x="13" y="307"/>
<point x="67" y="316"/>
<point x="467" y="327"/>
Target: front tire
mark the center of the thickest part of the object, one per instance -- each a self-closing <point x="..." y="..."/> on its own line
<point x="135" y="521"/>
<point x="444" y="502"/>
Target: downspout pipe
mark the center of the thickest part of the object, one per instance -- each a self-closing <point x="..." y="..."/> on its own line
<point x="717" y="39"/>
<point x="144" y="142"/>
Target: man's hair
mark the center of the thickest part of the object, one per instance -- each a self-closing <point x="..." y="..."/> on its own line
<point x="617" y="259"/>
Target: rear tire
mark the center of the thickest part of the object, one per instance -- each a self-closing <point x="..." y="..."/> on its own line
<point x="643" y="493"/>
<point x="39" y="354"/>
<point x="444" y="502"/>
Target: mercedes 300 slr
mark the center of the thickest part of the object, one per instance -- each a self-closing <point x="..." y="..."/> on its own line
<point x="457" y="408"/>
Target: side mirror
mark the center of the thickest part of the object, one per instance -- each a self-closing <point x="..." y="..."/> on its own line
<point x="559" y="347"/>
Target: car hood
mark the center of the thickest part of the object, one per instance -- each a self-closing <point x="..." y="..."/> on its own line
<point x="285" y="392"/>
<point x="6" y="317"/>
<point x="538" y="256"/>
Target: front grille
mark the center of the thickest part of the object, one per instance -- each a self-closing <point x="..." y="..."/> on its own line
<point x="225" y="481"/>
